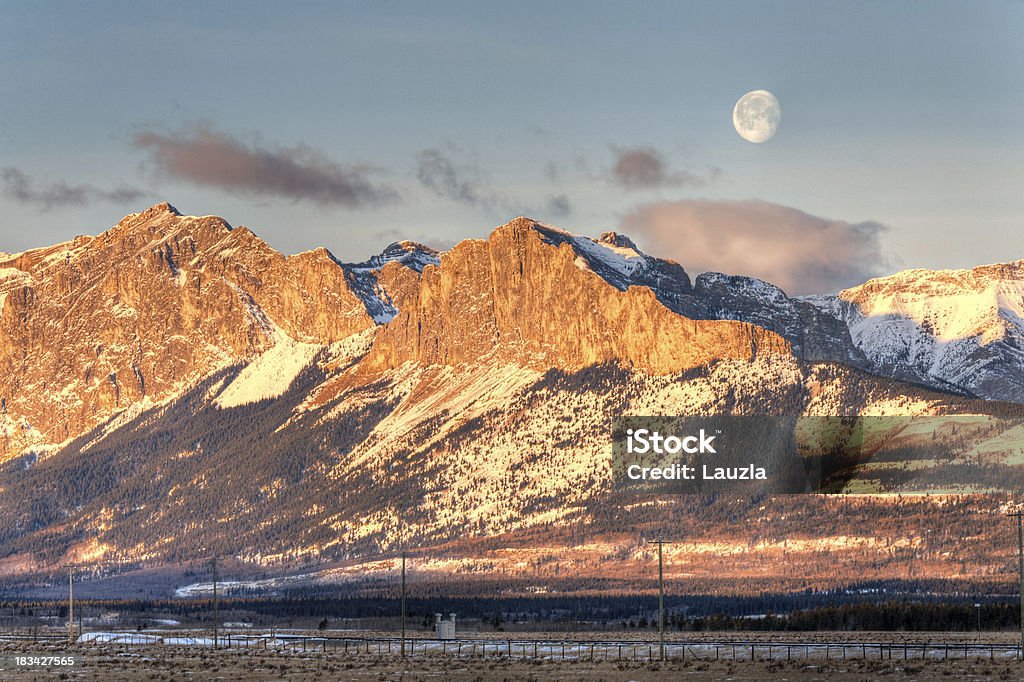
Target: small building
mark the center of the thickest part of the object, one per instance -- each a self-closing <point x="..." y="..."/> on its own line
<point x="444" y="629"/>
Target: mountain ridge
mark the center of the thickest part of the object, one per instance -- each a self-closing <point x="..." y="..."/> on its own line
<point x="963" y="327"/>
<point x="405" y="295"/>
<point x="178" y="371"/>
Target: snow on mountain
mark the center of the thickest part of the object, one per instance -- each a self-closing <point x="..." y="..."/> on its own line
<point x="960" y="329"/>
<point x="407" y="253"/>
<point x="617" y="260"/>
<point x="611" y="251"/>
<point x="519" y="297"/>
<point x="363" y="278"/>
<point x="269" y="375"/>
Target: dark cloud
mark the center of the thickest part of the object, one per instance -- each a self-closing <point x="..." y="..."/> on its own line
<point x="638" y="168"/>
<point x="213" y="158"/>
<point x="802" y="253"/>
<point x="24" y="189"/>
<point x="463" y="182"/>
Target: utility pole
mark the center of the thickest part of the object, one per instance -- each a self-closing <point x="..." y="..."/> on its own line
<point x="1020" y="567"/>
<point x="403" y="604"/>
<point x="216" y="615"/>
<point x="71" y="605"/>
<point x="661" y="600"/>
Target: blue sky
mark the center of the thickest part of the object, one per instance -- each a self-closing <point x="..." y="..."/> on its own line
<point x="437" y="121"/>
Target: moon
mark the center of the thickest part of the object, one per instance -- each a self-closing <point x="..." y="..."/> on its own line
<point x="756" y="116"/>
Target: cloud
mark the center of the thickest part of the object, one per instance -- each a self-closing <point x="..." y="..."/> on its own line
<point x="558" y="206"/>
<point x="552" y="173"/>
<point x="638" y="168"/>
<point x="463" y="183"/>
<point x="208" y="157"/>
<point x="438" y="172"/>
<point x="22" y="188"/>
<point x="797" y="251"/>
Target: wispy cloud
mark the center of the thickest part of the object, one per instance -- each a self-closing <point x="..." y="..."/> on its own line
<point x="50" y="195"/>
<point x="558" y="206"/>
<point x="639" y="168"/>
<point x="800" y="252"/>
<point x="463" y="182"/>
<point x="205" y="156"/>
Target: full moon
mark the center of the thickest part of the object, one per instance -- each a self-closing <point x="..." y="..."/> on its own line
<point x="756" y="116"/>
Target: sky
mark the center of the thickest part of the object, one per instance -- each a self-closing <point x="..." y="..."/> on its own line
<point x="354" y="125"/>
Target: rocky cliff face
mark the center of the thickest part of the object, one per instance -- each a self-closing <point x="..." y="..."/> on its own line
<point x="102" y="323"/>
<point x="533" y="296"/>
<point x="812" y="335"/>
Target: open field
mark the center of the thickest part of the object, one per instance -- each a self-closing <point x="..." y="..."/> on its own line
<point x="364" y="656"/>
<point x="117" y="664"/>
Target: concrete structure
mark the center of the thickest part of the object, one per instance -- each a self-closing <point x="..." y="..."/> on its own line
<point x="444" y="629"/>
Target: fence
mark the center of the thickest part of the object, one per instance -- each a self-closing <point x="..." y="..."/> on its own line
<point x="738" y="650"/>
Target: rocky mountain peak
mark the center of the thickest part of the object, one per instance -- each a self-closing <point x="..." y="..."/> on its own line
<point x="540" y="297"/>
<point x="163" y="207"/>
<point x="145" y="309"/>
<point x="616" y="239"/>
<point x="408" y="253"/>
<point x="155" y="214"/>
<point x="162" y="222"/>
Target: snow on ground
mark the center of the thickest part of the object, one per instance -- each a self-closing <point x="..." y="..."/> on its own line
<point x="226" y="587"/>
<point x="470" y="644"/>
<point x="119" y="638"/>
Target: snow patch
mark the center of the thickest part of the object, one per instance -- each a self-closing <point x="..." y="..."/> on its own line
<point x="621" y="259"/>
<point x="269" y="375"/>
<point x="119" y="638"/>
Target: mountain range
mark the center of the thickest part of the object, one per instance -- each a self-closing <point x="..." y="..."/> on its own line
<point x="175" y="388"/>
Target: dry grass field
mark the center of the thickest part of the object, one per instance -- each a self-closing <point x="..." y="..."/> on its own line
<point x="117" y="663"/>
